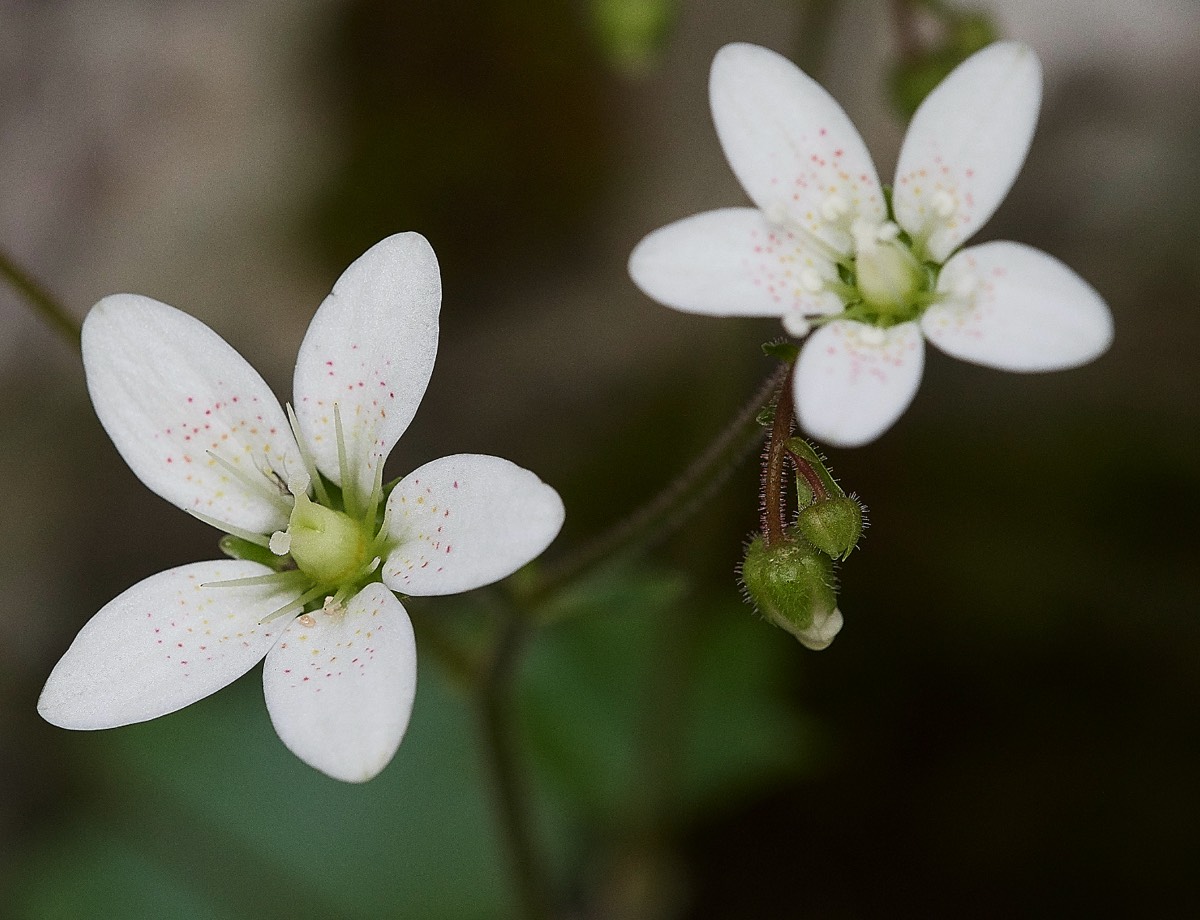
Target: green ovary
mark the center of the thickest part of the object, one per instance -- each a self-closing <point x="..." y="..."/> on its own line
<point x="328" y="545"/>
<point x="889" y="277"/>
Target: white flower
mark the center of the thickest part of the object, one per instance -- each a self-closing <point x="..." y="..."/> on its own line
<point x="823" y="249"/>
<point x="305" y="507"/>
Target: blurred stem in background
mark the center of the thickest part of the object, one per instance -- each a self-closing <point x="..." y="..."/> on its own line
<point x="494" y="698"/>
<point x="40" y="299"/>
<point x="654" y="521"/>
<point x="667" y="511"/>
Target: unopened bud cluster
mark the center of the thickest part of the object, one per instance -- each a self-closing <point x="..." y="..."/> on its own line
<point x="791" y="580"/>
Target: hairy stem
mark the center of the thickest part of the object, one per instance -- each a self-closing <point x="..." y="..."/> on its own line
<point x="774" y="505"/>
<point x="494" y="700"/>
<point x="40" y="299"/>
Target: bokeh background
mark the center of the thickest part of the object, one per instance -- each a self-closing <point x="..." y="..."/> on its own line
<point x="1008" y="725"/>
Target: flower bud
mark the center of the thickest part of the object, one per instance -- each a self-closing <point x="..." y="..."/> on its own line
<point x="791" y="584"/>
<point x="832" y="526"/>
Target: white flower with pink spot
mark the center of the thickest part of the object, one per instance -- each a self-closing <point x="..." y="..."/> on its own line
<point x="321" y="545"/>
<point x="824" y="250"/>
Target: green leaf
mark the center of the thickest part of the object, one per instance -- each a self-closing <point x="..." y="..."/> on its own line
<point x="249" y="831"/>
<point x="649" y="698"/>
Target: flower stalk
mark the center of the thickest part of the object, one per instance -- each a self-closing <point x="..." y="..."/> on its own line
<point x="494" y="700"/>
<point x="40" y="299"/>
<point x="669" y="509"/>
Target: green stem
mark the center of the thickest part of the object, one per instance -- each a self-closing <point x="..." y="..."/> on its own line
<point x="494" y="699"/>
<point x="434" y="639"/>
<point x="668" y="510"/>
<point x="40" y="299"/>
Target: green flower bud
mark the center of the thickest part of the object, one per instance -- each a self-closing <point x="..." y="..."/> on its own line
<point x="791" y="584"/>
<point x="833" y="526"/>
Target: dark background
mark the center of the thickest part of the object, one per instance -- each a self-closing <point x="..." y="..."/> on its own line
<point x="1009" y="723"/>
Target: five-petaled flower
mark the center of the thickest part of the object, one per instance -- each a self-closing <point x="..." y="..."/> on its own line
<point x="321" y="543"/>
<point x="828" y="249"/>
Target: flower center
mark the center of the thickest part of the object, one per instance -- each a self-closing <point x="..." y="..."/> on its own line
<point x="326" y="544"/>
<point x="887" y="274"/>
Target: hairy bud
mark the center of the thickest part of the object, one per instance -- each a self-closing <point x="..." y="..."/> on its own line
<point x="792" y="585"/>
<point x="833" y="526"/>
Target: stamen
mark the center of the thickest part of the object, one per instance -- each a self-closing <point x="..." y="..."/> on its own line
<point x="376" y="495"/>
<point x="309" y="464"/>
<point x="796" y="324"/>
<point x="872" y="336"/>
<point x="274" y="578"/>
<point x="887" y="232"/>
<point x="865" y="235"/>
<point x="281" y="542"/>
<point x="965" y="287"/>
<point x="834" y="208"/>
<point x="249" y="536"/>
<point x="777" y="215"/>
<point x="944" y="204"/>
<point x="298" y="604"/>
<point x="255" y="484"/>
<point x="349" y="486"/>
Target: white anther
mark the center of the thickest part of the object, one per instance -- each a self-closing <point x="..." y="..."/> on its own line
<point x="796" y="324"/>
<point x="834" y="207"/>
<point x="332" y="606"/>
<point x="887" y="232"/>
<point x="965" y="286"/>
<point x="871" y="335"/>
<point x="811" y="281"/>
<point x="944" y="204"/>
<point x="864" y="234"/>
<point x="281" y="542"/>
<point x="776" y="214"/>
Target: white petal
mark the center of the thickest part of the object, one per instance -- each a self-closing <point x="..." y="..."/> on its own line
<point x="1016" y="308"/>
<point x="162" y="645"/>
<point x="370" y="351"/>
<point x="965" y="146"/>
<point x="465" y="521"/>
<point x="732" y="262"/>
<point x="340" y="685"/>
<point x="792" y="147"/>
<point x="825" y="627"/>
<point x="171" y="394"/>
<point x="853" y="380"/>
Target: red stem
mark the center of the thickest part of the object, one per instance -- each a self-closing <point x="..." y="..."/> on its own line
<point x="774" y="505"/>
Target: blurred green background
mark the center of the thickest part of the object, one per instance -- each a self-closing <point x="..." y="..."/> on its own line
<point x="1009" y="723"/>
